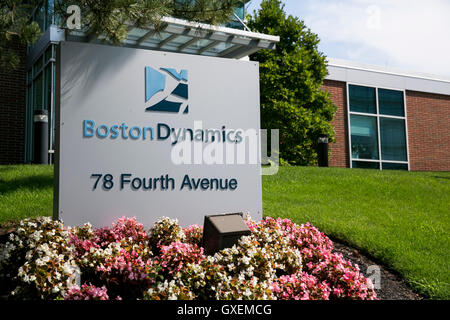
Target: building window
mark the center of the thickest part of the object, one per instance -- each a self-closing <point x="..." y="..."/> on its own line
<point x="364" y="137"/>
<point x="391" y="102"/>
<point x="378" y="138"/>
<point x="362" y="99"/>
<point x="40" y="95"/>
<point x="43" y="14"/>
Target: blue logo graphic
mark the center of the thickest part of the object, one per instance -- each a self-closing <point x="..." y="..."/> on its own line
<point x="156" y="81"/>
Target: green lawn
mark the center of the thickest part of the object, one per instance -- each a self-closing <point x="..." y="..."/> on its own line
<point x="400" y="218"/>
<point x="25" y="191"/>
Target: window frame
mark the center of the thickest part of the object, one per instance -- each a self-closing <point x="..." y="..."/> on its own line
<point x="48" y="82"/>
<point x="377" y="115"/>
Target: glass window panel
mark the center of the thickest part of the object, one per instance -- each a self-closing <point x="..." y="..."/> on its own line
<point x="364" y="137"/>
<point x="38" y="65"/>
<point x="178" y="41"/>
<point x="395" y="166"/>
<point x="137" y="32"/>
<point x="38" y="92"/>
<point x="48" y="53"/>
<point x="362" y="99"/>
<point x="365" y="165"/>
<point x="200" y="44"/>
<point x="391" y="102"/>
<point x="240" y="12"/>
<point x="393" y="139"/>
<point x="40" y="17"/>
<point x="48" y="87"/>
<point x="47" y="16"/>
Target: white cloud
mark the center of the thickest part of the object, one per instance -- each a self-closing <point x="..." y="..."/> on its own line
<point x="408" y="34"/>
<point x="411" y="34"/>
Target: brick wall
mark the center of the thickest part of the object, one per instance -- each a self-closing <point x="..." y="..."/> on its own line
<point x="12" y="111"/>
<point x="428" y="131"/>
<point x="339" y="150"/>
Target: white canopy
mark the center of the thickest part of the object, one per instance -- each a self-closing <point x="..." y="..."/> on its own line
<point x="193" y="38"/>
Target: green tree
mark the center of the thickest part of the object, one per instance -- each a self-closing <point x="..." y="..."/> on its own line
<point x="15" y="27"/>
<point x="109" y="18"/>
<point x="291" y="78"/>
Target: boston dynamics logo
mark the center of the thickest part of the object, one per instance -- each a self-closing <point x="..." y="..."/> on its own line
<point x="166" y="90"/>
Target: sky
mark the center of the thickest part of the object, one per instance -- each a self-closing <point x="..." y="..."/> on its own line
<point x="410" y="35"/>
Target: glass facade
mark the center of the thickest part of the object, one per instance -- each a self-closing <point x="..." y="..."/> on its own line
<point x="43" y="14"/>
<point x="41" y="74"/>
<point x="378" y="136"/>
<point x="391" y="102"/>
<point x="40" y="80"/>
<point x="364" y="137"/>
<point x="393" y="139"/>
<point x="362" y="99"/>
<point x="365" y="165"/>
<point x="235" y="23"/>
<point x="40" y="95"/>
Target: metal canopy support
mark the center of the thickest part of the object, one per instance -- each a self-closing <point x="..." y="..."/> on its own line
<point x="208" y="47"/>
<point x="181" y="36"/>
<point x="187" y="44"/>
<point x="146" y="36"/>
<point x="240" y="53"/>
<point x="229" y="50"/>
<point x="167" y="40"/>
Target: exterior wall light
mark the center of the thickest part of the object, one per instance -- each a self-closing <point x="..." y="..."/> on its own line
<point x="322" y="150"/>
<point x="40" y="137"/>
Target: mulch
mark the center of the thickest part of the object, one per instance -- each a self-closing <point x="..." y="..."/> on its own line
<point x="392" y="285"/>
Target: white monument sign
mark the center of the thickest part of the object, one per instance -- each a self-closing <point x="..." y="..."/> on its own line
<point x="146" y="134"/>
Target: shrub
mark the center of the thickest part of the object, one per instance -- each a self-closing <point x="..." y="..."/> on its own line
<point x="127" y="229"/>
<point x="278" y="260"/>
<point x="300" y="287"/>
<point x="38" y="260"/>
<point x="165" y="231"/>
<point x="194" y="234"/>
<point x="177" y="255"/>
<point x="172" y="290"/>
<point x="87" y="292"/>
<point x="345" y="280"/>
<point x="118" y="257"/>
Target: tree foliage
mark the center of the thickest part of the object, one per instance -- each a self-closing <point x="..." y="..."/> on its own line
<point x="291" y="78"/>
<point x="15" y="27"/>
<point x="109" y="18"/>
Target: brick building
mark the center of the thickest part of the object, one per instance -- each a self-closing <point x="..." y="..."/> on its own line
<point x="388" y="119"/>
<point x="12" y="108"/>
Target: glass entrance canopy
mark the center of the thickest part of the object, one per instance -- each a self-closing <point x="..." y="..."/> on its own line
<point x="192" y="38"/>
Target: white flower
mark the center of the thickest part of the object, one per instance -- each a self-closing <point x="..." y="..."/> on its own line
<point x="246" y="260"/>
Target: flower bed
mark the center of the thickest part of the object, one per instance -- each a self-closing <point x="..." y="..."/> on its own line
<point x="279" y="260"/>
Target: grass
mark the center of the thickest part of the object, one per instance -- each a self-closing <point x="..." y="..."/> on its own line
<point x="25" y="191"/>
<point x="400" y="218"/>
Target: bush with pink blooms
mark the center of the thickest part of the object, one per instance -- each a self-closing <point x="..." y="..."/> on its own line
<point x="87" y="292"/>
<point x="278" y="260"/>
<point x="177" y="255"/>
<point x="194" y="234"/>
